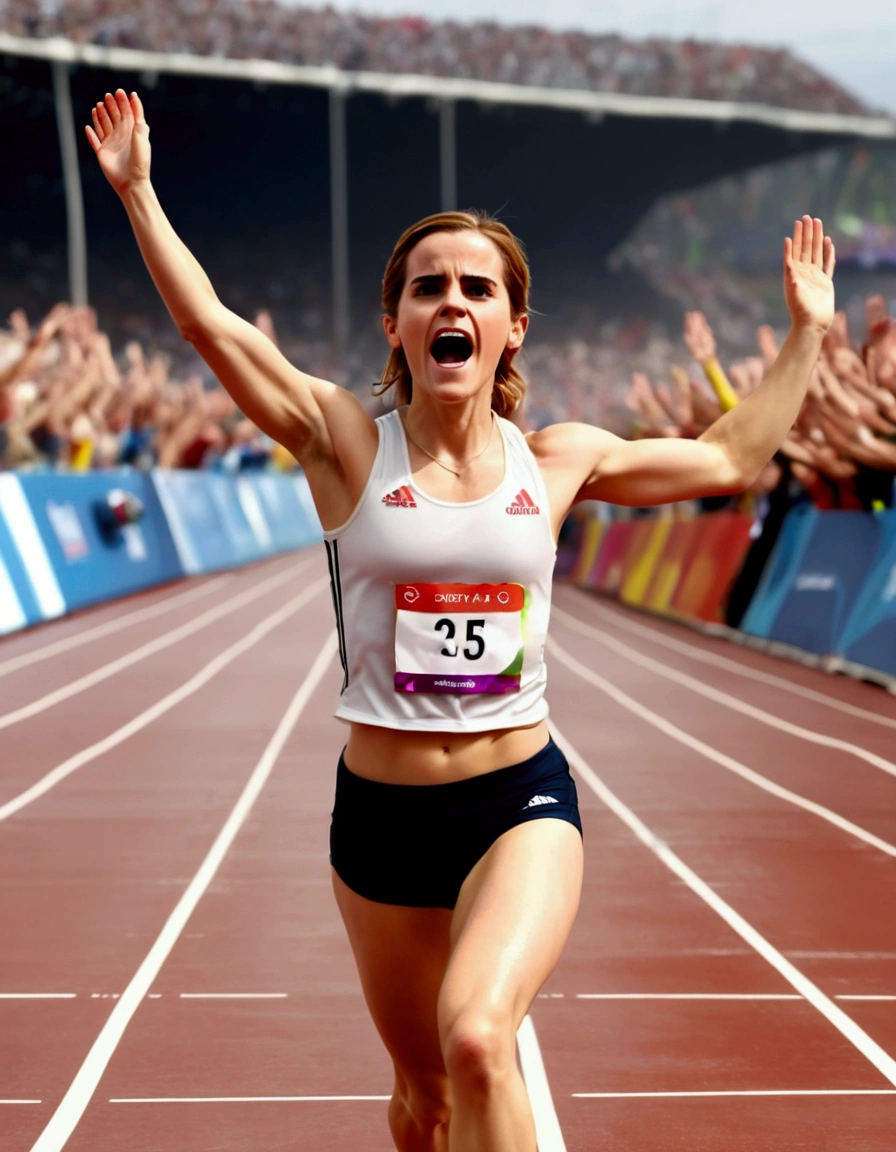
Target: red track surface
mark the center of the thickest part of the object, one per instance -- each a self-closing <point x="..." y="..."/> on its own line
<point x="93" y="868"/>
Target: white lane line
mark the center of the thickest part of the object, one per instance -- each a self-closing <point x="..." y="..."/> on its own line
<point x="38" y="995"/>
<point x="233" y="995"/>
<point x="35" y="655"/>
<point x="150" y="649"/>
<point x="693" y="652"/>
<point x="81" y="1090"/>
<point x="188" y="688"/>
<point x="547" y="1127"/>
<point x="688" y="996"/>
<point x="758" y="1092"/>
<point x="238" y="1100"/>
<point x="870" y="1049"/>
<point x="885" y="998"/>
<point x="21" y="1101"/>
<point x="723" y="698"/>
<point x="669" y="729"/>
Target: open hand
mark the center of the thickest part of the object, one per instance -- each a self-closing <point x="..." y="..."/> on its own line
<point x="808" y="271"/>
<point x="120" y="139"/>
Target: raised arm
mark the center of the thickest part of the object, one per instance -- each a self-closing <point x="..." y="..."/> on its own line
<point x="588" y="463"/>
<point x="323" y="426"/>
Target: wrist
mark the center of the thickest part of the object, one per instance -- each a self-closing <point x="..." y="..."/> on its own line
<point x="134" y="189"/>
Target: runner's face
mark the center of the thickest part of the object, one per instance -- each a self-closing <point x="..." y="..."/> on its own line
<point x="454" y="319"/>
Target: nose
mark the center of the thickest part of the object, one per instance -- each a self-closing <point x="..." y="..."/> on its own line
<point x="454" y="303"/>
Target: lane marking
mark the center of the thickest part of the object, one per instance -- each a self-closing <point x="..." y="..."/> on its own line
<point x="887" y="998"/>
<point x="188" y="688"/>
<point x="735" y="766"/>
<point x="688" y="996"/>
<point x="758" y="1092"/>
<point x="80" y="1092"/>
<point x="35" y="655"/>
<point x="694" y="652"/>
<point x="38" y="995"/>
<point x="166" y="640"/>
<point x="847" y="1027"/>
<point x="547" y="1127"/>
<point x="723" y="698"/>
<point x="238" y="1100"/>
<point x="233" y="995"/>
<point x="21" y="1101"/>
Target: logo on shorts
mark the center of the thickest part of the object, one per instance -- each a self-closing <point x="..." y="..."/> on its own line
<point x="523" y="505"/>
<point x="536" y="800"/>
<point x="401" y="498"/>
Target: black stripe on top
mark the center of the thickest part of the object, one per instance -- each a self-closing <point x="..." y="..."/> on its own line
<point x="336" y="590"/>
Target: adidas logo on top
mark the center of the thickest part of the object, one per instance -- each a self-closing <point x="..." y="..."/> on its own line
<point x="401" y="498"/>
<point x="523" y="505"/>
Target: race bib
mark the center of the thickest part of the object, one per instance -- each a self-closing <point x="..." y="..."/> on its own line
<point x="465" y="639"/>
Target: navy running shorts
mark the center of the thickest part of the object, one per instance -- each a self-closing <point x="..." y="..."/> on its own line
<point x="415" y="844"/>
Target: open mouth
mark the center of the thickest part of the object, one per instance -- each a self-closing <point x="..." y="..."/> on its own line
<point x="451" y="349"/>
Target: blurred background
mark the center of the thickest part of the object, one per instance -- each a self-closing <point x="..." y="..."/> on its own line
<point x="650" y="161"/>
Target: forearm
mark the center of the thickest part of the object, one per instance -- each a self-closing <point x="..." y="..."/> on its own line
<point x="177" y="274"/>
<point x="752" y="432"/>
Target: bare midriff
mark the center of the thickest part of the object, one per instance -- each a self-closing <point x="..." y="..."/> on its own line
<point x="393" y="756"/>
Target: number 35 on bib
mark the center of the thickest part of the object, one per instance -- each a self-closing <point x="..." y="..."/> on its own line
<point x="465" y="639"/>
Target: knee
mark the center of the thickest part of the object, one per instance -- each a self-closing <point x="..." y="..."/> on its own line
<point x="479" y="1050"/>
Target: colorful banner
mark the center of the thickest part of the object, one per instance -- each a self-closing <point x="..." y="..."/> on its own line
<point x="869" y="635"/>
<point x="641" y="557"/>
<point x="592" y="535"/>
<point x="609" y="567"/>
<point x="681" y="545"/>
<point x="715" y="562"/>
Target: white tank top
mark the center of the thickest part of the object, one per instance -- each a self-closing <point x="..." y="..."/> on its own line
<point x="442" y="609"/>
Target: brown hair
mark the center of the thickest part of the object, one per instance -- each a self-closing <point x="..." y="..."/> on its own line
<point x="510" y="386"/>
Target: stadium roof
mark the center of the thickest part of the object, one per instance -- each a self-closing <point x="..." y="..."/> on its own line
<point x="401" y="85"/>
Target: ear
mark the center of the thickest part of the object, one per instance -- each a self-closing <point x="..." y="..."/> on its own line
<point x="517" y="333"/>
<point x="391" y="329"/>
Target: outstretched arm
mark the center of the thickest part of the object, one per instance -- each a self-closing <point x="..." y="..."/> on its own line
<point x="732" y="452"/>
<point x="311" y="417"/>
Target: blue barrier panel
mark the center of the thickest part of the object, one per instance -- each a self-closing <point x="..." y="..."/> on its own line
<point x="91" y="564"/>
<point x="208" y="520"/>
<point x="817" y="572"/>
<point x="286" y="511"/>
<point x="869" y="637"/>
<point x="30" y="574"/>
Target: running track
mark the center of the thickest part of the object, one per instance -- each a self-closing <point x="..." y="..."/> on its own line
<point x="174" y="977"/>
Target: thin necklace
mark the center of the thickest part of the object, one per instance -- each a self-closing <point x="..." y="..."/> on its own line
<point x="441" y="464"/>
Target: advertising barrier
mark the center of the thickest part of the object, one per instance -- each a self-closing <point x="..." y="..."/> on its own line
<point x="70" y="540"/>
<point x="720" y="549"/>
<point x="645" y="548"/>
<point x="681" y="545"/>
<point x="868" y="639"/>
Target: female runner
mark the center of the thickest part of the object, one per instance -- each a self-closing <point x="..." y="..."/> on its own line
<point x="455" y="843"/>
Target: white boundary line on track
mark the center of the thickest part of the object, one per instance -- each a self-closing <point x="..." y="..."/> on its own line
<point x="693" y="652"/>
<point x="845" y="1025"/>
<point x="758" y="1092"/>
<point x="166" y="640"/>
<point x="233" y="995"/>
<point x="238" y="1100"/>
<point x="188" y="688"/>
<point x="670" y="729"/>
<point x="547" y="1127"/>
<point x="21" y="1101"/>
<point x="723" y="698"/>
<point x="80" y="1092"/>
<point x="687" y="996"/>
<point x="35" y="655"/>
<point x="38" y="995"/>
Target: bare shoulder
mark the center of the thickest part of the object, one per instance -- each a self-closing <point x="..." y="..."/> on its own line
<point x="570" y="447"/>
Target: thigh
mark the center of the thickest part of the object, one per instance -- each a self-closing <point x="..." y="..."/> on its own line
<point x="513" y="918"/>
<point x="401" y="954"/>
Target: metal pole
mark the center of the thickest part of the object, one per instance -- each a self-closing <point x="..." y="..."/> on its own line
<point x="448" y="154"/>
<point x="71" y="177"/>
<point x="339" y="221"/>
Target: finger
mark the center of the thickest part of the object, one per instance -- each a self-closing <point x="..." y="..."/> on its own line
<point x="797" y="239"/>
<point x="788" y="249"/>
<point x="137" y="106"/>
<point x="104" y="120"/>
<point x="112" y="108"/>
<point x="830" y="256"/>
<point x="817" y="241"/>
<point x="95" y="142"/>
<point x="806" y="250"/>
<point x="96" y="124"/>
<point x="123" y="105"/>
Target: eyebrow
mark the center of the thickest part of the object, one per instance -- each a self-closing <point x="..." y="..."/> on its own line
<point x="438" y="277"/>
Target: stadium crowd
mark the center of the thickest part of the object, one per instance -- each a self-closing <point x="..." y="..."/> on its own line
<point x="66" y="401"/>
<point x="265" y="29"/>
